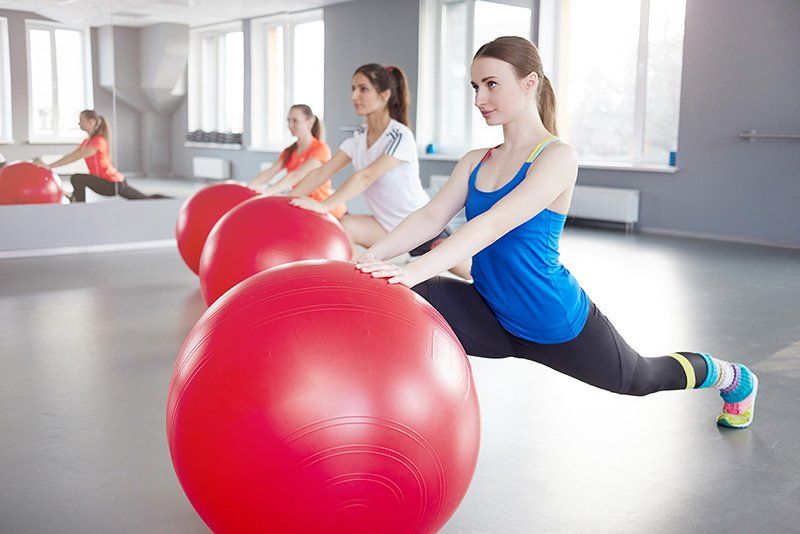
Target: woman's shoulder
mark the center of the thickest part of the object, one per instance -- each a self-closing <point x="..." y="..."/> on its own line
<point x="562" y="150"/>
<point x="397" y="128"/>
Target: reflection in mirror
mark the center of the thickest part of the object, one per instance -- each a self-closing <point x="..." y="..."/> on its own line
<point x="50" y="63"/>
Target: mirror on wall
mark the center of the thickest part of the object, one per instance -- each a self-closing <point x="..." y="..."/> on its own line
<point x="53" y="65"/>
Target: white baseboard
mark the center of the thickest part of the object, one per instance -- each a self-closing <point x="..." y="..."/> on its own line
<point x="87" y="249"/>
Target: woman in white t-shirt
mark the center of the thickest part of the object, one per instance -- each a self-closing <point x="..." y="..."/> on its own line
<point x="384" y="155"/>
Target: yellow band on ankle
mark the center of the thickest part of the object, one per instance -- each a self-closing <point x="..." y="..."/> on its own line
<point x="687" y="368"/>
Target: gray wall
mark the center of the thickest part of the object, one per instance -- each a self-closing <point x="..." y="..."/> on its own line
<point x="740" y="72"/>
<point x="20" y="149"/>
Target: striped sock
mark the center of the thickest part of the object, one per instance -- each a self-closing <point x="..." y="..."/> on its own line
<point x="733" y="380"/>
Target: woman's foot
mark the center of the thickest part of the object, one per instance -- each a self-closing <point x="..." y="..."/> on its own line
<point x="739" y="414"/>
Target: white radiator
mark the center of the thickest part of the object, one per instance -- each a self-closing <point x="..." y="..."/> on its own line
<point x="216" y="168"/>
<point x="605" y="204"/>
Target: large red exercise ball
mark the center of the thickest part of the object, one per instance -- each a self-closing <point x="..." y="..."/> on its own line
<point x="315" y="398"/>
<point x="264" y="232"/>
<point x="26" y="183"/>
<point x="201" y="212"/>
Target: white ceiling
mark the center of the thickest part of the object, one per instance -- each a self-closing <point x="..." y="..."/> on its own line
<point x="147" y="12"/>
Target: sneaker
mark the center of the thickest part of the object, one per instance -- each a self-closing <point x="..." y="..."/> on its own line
<point x="740" y="414"/>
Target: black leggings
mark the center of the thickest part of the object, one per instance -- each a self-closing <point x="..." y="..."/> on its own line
<point x="102" y="187"/>
<point x="597" y="356"/>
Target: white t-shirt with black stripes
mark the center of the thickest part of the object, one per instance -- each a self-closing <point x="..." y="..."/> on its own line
<point x="398" y="193"/>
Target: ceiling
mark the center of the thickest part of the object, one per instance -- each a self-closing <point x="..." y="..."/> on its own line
<point x="147" y="12"/>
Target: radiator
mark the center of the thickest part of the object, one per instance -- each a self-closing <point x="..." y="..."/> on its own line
<point x="215" y="168"/>
<point x="605" y="204"/>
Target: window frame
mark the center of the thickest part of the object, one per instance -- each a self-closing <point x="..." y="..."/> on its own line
<point x="259" y="108"/>
<point x="6" y="124"/>
<point x="32" y="24"/>
<point x="197" y="94"/>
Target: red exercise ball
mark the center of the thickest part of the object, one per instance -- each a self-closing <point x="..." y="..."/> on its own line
<point x="264" y="232"/>
<point x="315" y="398"/>
<point x="26" y="183"/>
<point x="201" y="212"/>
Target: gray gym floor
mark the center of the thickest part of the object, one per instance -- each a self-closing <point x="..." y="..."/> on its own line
<point x="87" y="344"/>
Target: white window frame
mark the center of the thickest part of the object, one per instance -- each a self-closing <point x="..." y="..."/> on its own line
<point x="34" y="138"/>
<point x="6" y="133"/>
<point x="195" y="101"/>
<point x="549" y="39"/>
<point x="259" y="112"/>
<point x="431" y="79"/>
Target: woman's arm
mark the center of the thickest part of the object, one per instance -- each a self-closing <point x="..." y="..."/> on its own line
<point x="75" y="155"/>
<point x="352" y="187"/>
<point x="316" y="178"/>
<point x="267" y="174"/>
<point x="428" y="221"/>
<point x="555" y="172"/>
<point x="296" y="176"/>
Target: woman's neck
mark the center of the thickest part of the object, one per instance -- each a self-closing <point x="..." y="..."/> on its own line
<point x="304" y="140"/>
<point x="378" y="121"/>
<point x="524" y="130"/>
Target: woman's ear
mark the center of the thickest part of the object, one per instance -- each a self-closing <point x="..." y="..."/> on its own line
<point x="531" y="81"/>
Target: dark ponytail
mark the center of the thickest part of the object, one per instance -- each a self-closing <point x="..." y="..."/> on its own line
<point x="317" y="129"/>
<point x="392" y="79"/>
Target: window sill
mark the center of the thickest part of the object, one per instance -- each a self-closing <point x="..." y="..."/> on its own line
<point x="6" y="141"/>
<point x="266" y="149"/>
<point x="223" y="146"/>
<point x="56" y="141"/>
<point x="592" y="165"/>
<point x="424" y="156"/>
<point x="627" y="166"/>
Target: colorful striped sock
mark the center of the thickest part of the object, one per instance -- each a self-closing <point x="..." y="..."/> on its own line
<point x="733" y="380"/>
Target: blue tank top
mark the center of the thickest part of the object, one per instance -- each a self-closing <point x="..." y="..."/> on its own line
<point x="533" y="296"/>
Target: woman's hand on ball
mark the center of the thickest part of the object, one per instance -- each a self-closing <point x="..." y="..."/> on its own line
<point x="396" y="274"/>
<point x="309" y="204"/>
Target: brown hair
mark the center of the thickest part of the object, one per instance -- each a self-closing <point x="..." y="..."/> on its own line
<point x="317" y="129"/>
<point x="524" y="57"/>
<point x="102" y="129"/>
<point x="392" y="79"/>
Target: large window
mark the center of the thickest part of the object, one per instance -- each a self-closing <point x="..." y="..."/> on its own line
<point x="617" y="71"/>
<point x="5" y="85"/>
<point x="288" y="58"/>
<point x="59" y="80"/>
<point x="216" y="74"/>
<point x="615" y="66"/>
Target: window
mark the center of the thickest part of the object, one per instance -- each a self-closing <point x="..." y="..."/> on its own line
<point x="451" y="33"/>
<point x="59" y="80"/>
<point x="616" y="67"/>
<point x="216" y="74"/>
<point x="288" y="58"/>
<point x="5" y="85"/>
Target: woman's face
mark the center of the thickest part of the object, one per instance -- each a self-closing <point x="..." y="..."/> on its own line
<point x="86" y="124"/>
<point x="298" y="123"/>
<point x="499" y="94"/>
<point x="366" y="98"/>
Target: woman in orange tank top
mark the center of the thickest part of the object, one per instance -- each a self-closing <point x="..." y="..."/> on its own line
<point x="103" y="177"/>
<point x="309" y="152"/>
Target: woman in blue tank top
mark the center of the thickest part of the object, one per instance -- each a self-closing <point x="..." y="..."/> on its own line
<point x="523" y="301"/>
